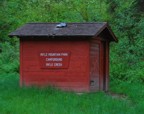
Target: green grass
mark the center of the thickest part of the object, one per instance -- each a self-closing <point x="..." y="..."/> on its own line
<point x="127" y="99"/>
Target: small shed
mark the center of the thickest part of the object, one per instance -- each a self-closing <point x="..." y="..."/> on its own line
<point x="70" y="56"/>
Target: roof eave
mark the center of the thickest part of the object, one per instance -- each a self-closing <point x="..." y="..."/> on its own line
<point x="106" y="26"/>
<point x="112" y="34"/>
<point x="19" y="36"/>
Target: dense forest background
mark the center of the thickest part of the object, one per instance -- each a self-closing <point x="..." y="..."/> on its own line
<point x="126" y="17"/>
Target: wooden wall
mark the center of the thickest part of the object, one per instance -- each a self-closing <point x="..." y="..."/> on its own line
<point x="86" y="70"/>
<point x="99" y="64"/>
<point x="95" y="65"/>
<point x="75" y="77"/>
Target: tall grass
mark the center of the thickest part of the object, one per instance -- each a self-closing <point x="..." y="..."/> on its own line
<point x="16" y="100"/>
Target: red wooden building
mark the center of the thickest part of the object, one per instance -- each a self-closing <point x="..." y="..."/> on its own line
<point x="72" y="56"/>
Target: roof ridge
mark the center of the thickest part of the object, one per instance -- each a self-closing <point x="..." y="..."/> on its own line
<point x="66" y="22"/>
<point x="48" y="29"/>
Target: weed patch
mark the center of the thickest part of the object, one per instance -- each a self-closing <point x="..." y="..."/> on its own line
<point x="16" y="100"/>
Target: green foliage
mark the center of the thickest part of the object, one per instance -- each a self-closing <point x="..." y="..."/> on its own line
<point x="127" y="57"/>
<point x="9" y="58"/>
<point x="140" y="4"/>
<point x="134" y="91"/>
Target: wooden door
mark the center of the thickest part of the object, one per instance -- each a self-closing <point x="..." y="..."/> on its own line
<point x="95" y="66"/>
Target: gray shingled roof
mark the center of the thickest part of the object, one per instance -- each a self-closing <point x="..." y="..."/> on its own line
<point x="72" y="29"/>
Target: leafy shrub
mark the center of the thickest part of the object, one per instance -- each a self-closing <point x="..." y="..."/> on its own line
<point x="9" y="58"/>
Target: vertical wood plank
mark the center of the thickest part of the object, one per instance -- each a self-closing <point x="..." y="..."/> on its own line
<point x="101" y="65"/>
<point x="21" y="62"/>
<point x="95" y="65"/>
<point x="107" y="67"/>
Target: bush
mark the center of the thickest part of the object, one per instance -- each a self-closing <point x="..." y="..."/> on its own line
<point x="9" y="57"/>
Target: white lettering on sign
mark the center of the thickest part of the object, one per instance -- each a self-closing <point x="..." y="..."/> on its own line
<point x="54" y="59"/>
<point x="49" y="64"/>
<point x="57" y="64"/>
<point x="53" y="54"/>
<point x="54" y="64"/>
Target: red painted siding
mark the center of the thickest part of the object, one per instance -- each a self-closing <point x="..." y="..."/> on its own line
<point x="94" y="65"/>
<point x="106" y="66"/>
<point x="98" y="65"/>
<point x="21" y="63"/>
<point x="75" y="77"/>
<point x="102" y="65"/>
